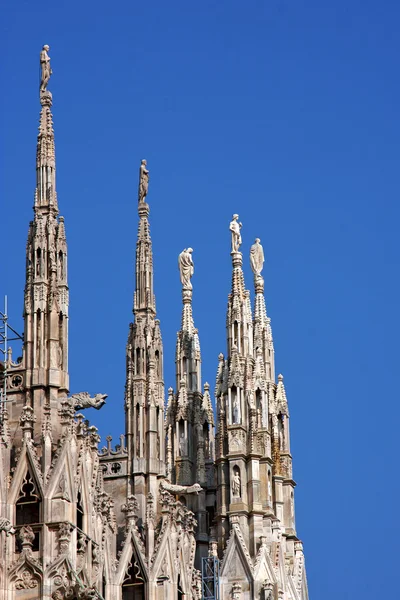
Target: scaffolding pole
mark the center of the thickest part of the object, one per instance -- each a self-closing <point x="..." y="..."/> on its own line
<point x="7" y="334"/>
<point x="210" y="578"/>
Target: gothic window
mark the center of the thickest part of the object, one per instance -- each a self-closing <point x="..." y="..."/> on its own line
<point x="133" y="584"/>
<point x="27" y="508"/>
<point x="236" y="334"/>
<point x="61" y="264"/>
<point x="38" y="262"/>
<point x="79" y="512"/>
<point x="137" y="369"/>
<point x="158" y="370"/>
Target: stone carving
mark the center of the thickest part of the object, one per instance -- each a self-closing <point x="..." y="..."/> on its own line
<point x="257" y="257"/>
<point x="84" y="400"/>
<point x="236" y="484"/>
<point x="235" y="228"/>
<point x="5" y="525"/>
<point x="44" y="68"/>
<point x="186" y="268"/>
<point x="267" y="589"/>
<point x="143" y="181"/>
<point x="183" y="450"/>
<point x="64" y="536"/>
<point x="235" y="410"/>
<point x="26" y="537"/>
<point x="26" y="581"/>
<point x="236" y="591"/>
<point x="180" y="489"/>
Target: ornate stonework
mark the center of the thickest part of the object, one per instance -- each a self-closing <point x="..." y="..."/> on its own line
<point x="81" y="523"/>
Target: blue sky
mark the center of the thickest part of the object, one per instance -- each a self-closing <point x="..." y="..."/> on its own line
<point x="287" y="113"/>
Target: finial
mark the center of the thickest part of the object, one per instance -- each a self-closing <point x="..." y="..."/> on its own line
<point x="186" y="268"/>
<point x="280" y="377"/>
<point x="235" y="227"/>
<point x="45" y="69"/>
<point x="257" y="257"/>
<point x="143" y="181"/>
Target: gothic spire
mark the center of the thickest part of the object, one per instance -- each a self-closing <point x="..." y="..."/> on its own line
<point x="239" y="318"/>
<point x="45" y="194"/>
<point x="45" y="350"/>
<point x="262" y="323"/>
<point x="188" y="359"/>
<point x="144" y="396"/>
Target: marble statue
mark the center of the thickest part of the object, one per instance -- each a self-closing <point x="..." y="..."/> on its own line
<point x="183" y="445"/>
<point x="45" y="69"/>
<point x="186" y="268"/>
<point x="143" y="181"/>
<point x="236" y="484"/>
<point x="257" y="257"/>
<point x="235" y="228"/>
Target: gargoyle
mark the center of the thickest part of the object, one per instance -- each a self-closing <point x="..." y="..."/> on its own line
<point x="180" y="489"/>
<point x="6" y="526"/>
<point x="84" y="400"/>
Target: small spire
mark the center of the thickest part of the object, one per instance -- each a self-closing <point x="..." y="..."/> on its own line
<point x="188" y="356"/>
<point x="45" y="193"/>
<point x="280" y="396"/>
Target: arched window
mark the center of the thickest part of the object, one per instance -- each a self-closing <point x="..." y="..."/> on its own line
<point x="28" y="508"/>
<point x="79" y="512"/>
<point x="133" y="584"/>
<point x="38" y="262"/>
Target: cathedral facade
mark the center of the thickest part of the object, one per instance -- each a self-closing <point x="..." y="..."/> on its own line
<point x="191" y="503"/>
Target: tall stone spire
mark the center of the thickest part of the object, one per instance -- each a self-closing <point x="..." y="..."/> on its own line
<point x="45" y="351"/>
<point x="190" y="419"/>
<point x="144" y="390"/>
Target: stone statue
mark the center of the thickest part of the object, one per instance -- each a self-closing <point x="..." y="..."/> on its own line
<point x="235" y="228"/>
<point x="143" y="181"/>
<point x="84" y="400"/>
<point x="235" y="411"/>
<point x="180" y="489"/>
<point x="257" y="257"/>
<point x="45" y="68"/>
<point x="236" y="485"/>
<point x="5" y="525"/>
<point x="186" y="268"/>
<point x="182" y="445"/>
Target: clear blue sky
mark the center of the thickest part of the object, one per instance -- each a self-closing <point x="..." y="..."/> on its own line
<point x="287" y="112"/>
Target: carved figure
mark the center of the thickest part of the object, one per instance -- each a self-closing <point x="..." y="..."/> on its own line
<point x="257" y="257"/>
<point x="186" y="268"/>
<point x="5" y="525"/>
<point x="235" y="411"/>
<point x="84" y="400"/>
<point x="182" y="445"/>
<point x="143" y="181"/>
<point x="236" y="485"/>
<point x="45" y="69"/>
<point x="180" y="489"/>
<point x="235" y="228"/>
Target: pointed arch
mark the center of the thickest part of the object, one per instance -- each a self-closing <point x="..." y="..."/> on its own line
<point x="131" y="553"/>
<point x="61" y="482"/>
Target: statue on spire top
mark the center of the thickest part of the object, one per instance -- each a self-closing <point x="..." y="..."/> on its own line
<point x="235" y="228"/>
<point x="186" y="268"/>
<point x="45" y="69"/>
<point x="257" y="257"/>
<point x="143" y="181"/>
